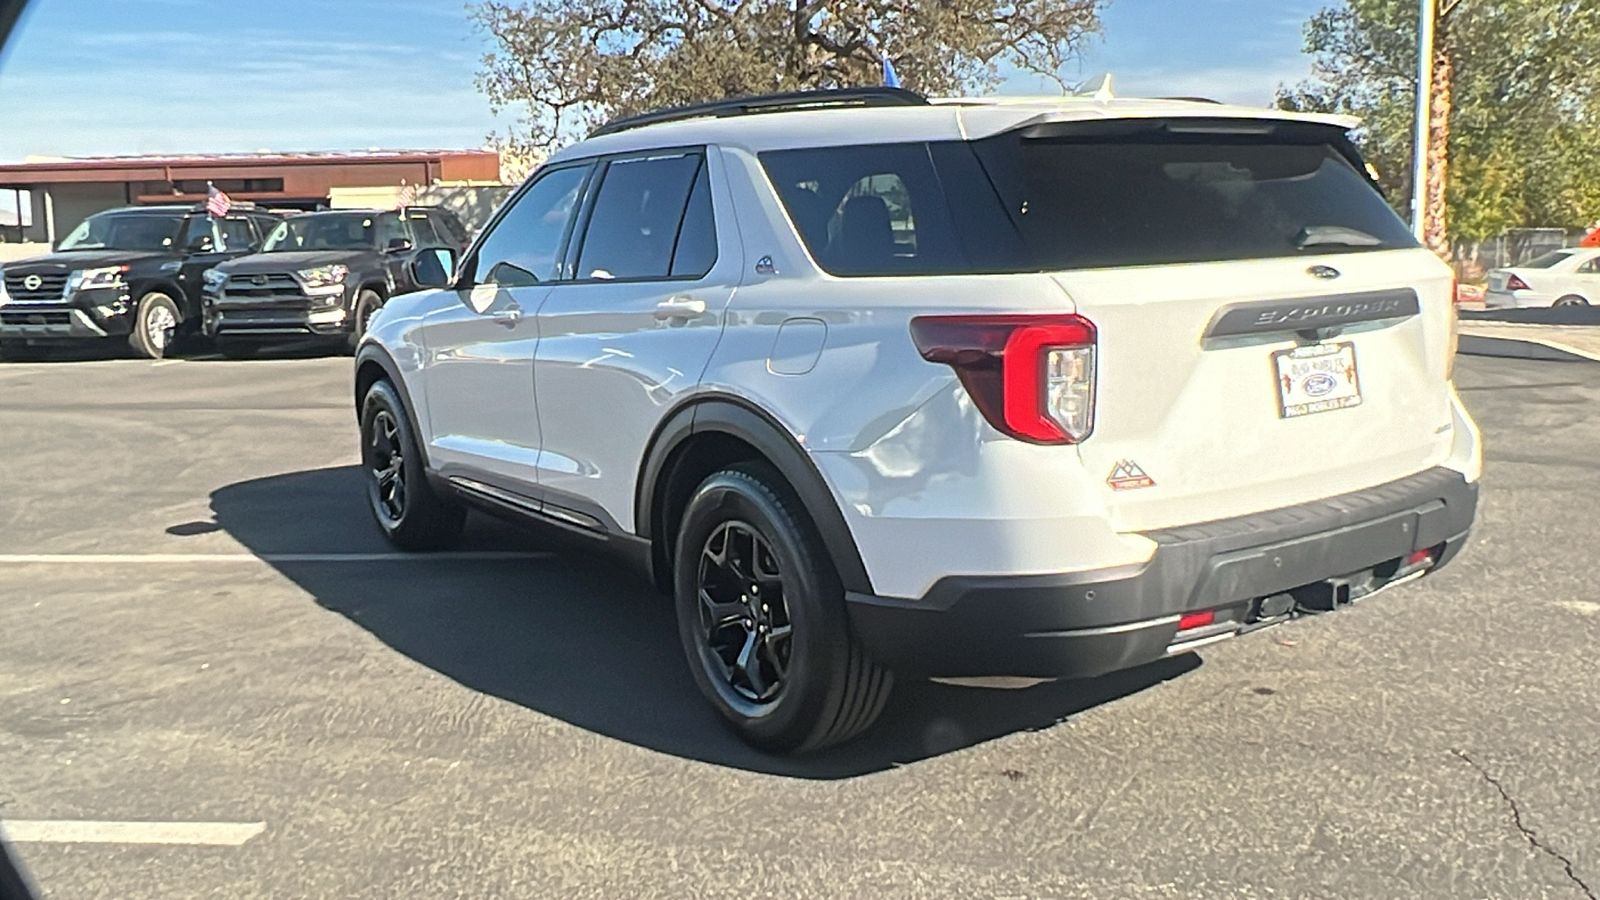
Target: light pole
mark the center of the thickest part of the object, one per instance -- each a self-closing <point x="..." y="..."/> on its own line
<point x="1419" y="171"/>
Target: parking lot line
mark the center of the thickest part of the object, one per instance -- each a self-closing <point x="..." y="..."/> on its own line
<point x="169" y="558"/>
<point x="64" y="831"/>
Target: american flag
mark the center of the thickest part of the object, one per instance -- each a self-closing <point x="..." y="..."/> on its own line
<point x="217" y="203"/>
<point x="408" y="195"/>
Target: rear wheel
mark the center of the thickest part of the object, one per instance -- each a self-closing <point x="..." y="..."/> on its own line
<point x="762" y="618"/>
<point x="155" y="327"/>
<point x="411" y="513"/>
<point x="1572" y="300"/>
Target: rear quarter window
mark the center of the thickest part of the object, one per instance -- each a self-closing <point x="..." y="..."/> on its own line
<point x="875" y="209"/>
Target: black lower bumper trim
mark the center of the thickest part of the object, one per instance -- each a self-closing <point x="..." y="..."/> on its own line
<point x="1089" y="623"/>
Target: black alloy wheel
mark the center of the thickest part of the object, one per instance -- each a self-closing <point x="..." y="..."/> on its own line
<point x="743" y="614"/>
<point x="386" y="467"/>
<point x="762" y="619"/>
<point x="412" y="514"/>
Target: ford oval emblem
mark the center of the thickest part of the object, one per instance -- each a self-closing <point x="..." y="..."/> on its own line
<point x="1326" y="273"/>
<point x="1319" y="384"/>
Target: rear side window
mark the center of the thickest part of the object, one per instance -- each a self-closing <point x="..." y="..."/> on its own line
<point x="696" y="251"/>
<point x="1162" y="197"/>
<point x="447" y="226"/>
<point x="638" y="212"/>
<point x="390" y="229"/>
<point x="422" y="231"/>
<point x="868" y="210"/>
<point x="236" y="234"/>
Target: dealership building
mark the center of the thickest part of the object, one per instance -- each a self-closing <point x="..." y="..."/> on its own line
<point x="51" y="196"/>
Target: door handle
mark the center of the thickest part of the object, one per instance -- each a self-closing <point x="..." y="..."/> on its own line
<point x="680" y="307"/>
<point x="509" y="316"/>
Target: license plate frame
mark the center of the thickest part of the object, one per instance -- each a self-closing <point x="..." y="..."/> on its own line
<point x="1316" y="378"/>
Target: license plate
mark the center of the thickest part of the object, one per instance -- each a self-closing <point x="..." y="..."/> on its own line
<point x="1316" y="378"/>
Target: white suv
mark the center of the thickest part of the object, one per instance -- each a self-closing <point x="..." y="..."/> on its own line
<point x="874" y="384"/>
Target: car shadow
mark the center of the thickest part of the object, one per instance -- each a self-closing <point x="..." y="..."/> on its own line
<point x="571" y="635"/>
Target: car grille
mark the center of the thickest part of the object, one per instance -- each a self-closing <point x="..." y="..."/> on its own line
<point x="268" y="288"/>
<point x="51" y="287"/>
<point x="35" y="318"/>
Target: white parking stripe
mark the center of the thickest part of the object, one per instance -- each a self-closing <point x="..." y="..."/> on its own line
<point x="121" y="558"/>
<point x="46" y="831"/>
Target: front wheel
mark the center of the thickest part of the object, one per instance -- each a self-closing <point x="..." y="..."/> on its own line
<point x="411" y="513"/>
<point x="155" y="327"/>
<point x="368" y="302"/>
<point x="762" y="618"/>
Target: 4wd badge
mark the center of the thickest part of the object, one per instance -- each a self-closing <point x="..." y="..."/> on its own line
<point x="1126" y="476"/>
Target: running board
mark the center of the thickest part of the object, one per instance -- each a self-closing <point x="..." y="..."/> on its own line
<point x="526" y="506"/>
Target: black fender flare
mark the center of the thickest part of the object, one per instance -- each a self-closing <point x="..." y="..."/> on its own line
<point x="372" y="354"/>
<point x="187" y="310"/>
<point x="740" y="419"/>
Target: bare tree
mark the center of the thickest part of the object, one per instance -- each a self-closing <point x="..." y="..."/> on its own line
<point x="566" y="66"/>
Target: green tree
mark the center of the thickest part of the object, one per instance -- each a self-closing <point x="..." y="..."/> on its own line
<point x="1517" y="109"/>
<point x="566" y="65"/>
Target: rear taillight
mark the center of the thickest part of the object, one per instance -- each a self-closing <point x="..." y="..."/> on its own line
<point x="1513" y="283"/>
<point x="1032" y="377"/>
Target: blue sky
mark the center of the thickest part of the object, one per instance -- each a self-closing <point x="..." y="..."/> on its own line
<point x="99" y="77"/>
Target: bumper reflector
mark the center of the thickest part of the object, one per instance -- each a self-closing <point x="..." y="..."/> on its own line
<point x="1196" y="619"/>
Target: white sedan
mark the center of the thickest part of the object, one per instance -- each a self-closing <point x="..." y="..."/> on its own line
<point x="1569" y="277"/>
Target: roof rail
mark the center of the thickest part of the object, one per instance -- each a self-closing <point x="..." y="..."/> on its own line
<point x="769" y="103"/>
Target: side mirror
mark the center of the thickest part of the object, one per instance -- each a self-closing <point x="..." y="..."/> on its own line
<point x="432" y="269"/>
<point x="397" y="245"/>
<point x="201" y="244"/>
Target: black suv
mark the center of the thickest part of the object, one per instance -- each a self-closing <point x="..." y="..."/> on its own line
<point x="132" y="273"/>
<point x="324" y="274"/>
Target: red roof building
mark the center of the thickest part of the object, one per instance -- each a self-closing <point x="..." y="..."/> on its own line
<point x="63" y="192"/>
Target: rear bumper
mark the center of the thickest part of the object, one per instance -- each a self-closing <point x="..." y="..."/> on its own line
<point x="1089" y="623"/>
<point x="1514" y="300"/>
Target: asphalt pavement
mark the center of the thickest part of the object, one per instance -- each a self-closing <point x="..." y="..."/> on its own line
<point x="217" y="681"/>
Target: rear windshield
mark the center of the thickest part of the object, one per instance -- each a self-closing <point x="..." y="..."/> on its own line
<point x="1548" y="260"/>
<point x="1076" y="200"/>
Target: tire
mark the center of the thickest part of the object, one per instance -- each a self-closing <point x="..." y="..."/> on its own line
<point x="368" y="302"/>
<point x="812" y="685"/>
<point x="21" y="351"/>
<point x="155" y="326"/>
<point x="238" y="349"/>
<point x="1571" y="300"/>
<point x="412" y="515"/>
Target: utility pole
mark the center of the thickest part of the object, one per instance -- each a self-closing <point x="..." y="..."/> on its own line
<point x="1419" y="172"/>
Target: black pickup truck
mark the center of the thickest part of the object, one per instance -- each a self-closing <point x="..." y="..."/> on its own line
<point x="129" y="274"/>
<point x="322" y="275"/>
